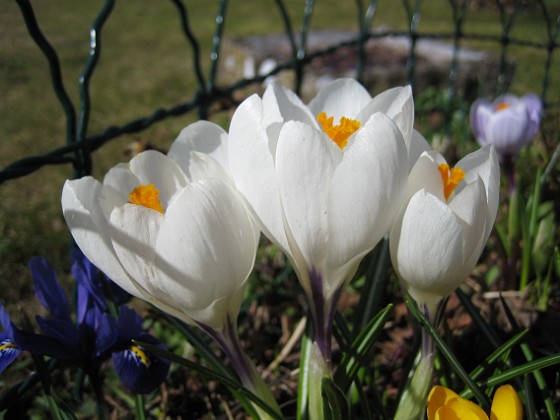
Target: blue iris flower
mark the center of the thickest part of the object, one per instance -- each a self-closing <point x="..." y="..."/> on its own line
<point x="8" y="348"/>
<point x="138" y="369"/>
<point x="94" y="336"/>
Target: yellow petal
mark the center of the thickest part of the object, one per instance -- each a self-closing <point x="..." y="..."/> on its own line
<point x="466" y="410"/>
<point x="446" y="413"/>
<point x="506" y="404"/>
<point x="438" y="397"/>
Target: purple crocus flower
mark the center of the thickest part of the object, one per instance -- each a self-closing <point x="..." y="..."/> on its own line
<point x="509" y="123"/>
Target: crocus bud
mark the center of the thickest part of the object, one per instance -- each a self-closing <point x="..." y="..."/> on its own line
<point x="509" y="123"/>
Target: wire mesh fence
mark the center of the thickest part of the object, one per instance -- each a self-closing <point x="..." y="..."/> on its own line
<point x="300" y="59"/>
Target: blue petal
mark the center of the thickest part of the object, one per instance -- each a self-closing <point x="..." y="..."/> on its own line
<point x="47" y="289"/>
<point x="8" y="352"/>
<point x="87" y="276"/>
<point x="42" y="344"/>
<point x="139" y="370"/>
<point x="129" y="324"/>
<point x="5" y="321"/>
<point x="106" y="334"/>
<point x="65" y="333"/>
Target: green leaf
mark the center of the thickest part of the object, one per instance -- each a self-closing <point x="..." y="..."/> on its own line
<point x="303" y="383"/>
<point x="237" y="389"/>
<point x="502" y="350"/>
<point x="448" y="354"/>
<point x="335" y="406"/>
<point x="57" y="412"/>
<point x="353" y="357"/>
<point x="520" y="370"/>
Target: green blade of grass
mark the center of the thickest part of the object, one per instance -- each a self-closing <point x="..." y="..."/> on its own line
<point x="512" y="373"/>
<point x="448" y="354"/>
<point x="240" y="392"/>
<point x="303" y="382"/>
<point x="490" y="360"/>
<point x="353" y="357"/>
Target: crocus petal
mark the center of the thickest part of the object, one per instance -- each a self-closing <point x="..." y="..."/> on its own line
<point x="194" y="247"/>
<point x="252" y="168"/>
<point x="430" y="270"/>
<point x="463" y="409"/>
<point x="425" y="175"/>
<point x="82" y="202"/>
<point x="152" y="167"/>
<point x="533" y="104"/>
<point x="438" y="397"/>
<point x="366" y="191"/>
<point x="418" y="145"/>
<point x="506" y="404"/>
<point x="304" y="163"/>
<point x="279" y="101"/>
<point x="47" y="289"/>
<point x="480" y="113"/>
<point x="469" y="206"/>
<point x="506" y="130"/>
<point x="483" y="163"/>
<point x="397" y="103"/>
<point x="134" y="232"/>
<point x="201" y="137"/>
<point x="341" y="98"/>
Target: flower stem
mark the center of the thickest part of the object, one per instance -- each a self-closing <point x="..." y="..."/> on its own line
<point x="412" y="404"/>
<point x="244" y="367"/>
<point x="320" y="361"/>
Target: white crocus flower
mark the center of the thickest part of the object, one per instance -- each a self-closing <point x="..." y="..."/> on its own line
<point x="445" y="223"/>
<point x="186" y="244"/>
<point x="325" y="181"/>
<point x="188" y="248"/>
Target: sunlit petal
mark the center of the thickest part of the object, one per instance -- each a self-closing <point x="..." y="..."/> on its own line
<point x="341" y="98"/>
<point x="506" y="404"/>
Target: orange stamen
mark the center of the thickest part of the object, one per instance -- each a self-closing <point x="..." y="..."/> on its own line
<point x="338" y="133"/>
<point x="147" y="196"/>
<point x="451" y="178"/>
<point x="501" y="106"/>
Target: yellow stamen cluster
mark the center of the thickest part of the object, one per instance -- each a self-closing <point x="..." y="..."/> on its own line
<point x="501" y="106"/>
<point x="451" y="178"/>
<point x="7" y="346"/>
<point x="147" y="196"/>
<point x="338" y="133"/>
<point x="141" y="355"/>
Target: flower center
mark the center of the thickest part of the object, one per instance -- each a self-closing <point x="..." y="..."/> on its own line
<point x="501" y="106"/>
<point x="451" y="178"/>
<point x="6" y="345"/>
<point x="338" y="133"/>
<point x="140" y="355"/>
<point x="147" y="196"/>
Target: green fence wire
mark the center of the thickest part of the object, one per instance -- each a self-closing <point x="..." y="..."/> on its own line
<point x="80" y="143"/>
